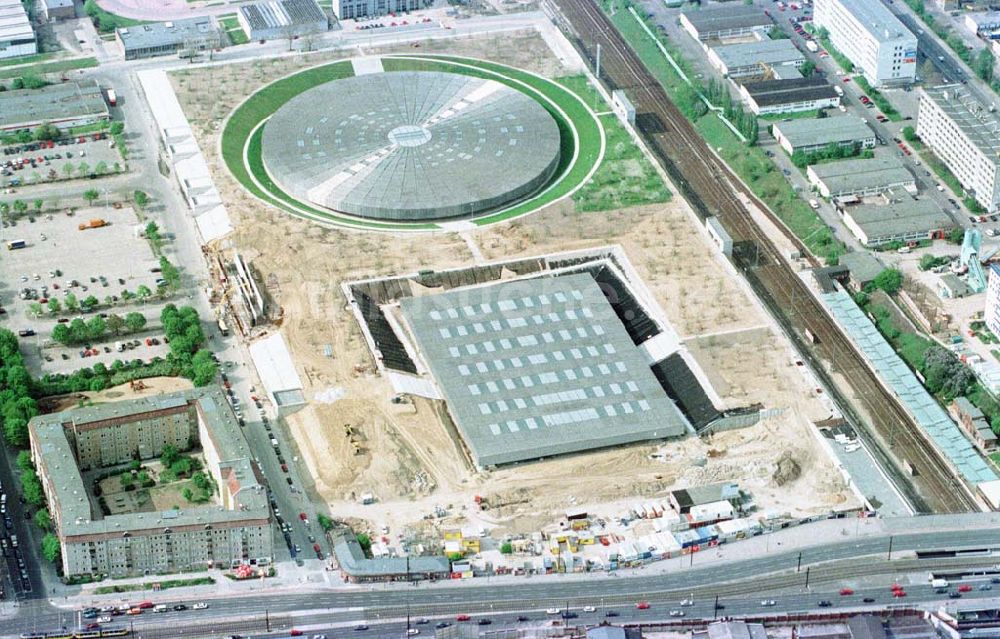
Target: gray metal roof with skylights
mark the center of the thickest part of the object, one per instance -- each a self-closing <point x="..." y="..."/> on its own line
<point x="539" y="367"/>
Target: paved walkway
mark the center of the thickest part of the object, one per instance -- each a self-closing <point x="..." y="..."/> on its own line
<point x="159" y="10"/>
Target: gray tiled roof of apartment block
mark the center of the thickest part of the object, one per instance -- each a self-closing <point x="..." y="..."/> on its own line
<point x="973" y="118"/>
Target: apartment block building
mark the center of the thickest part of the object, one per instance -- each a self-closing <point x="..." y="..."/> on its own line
<point x="237" y="530"/>
<point x="965" y="134"/>
<point x="354" y="9"/>
<point x="874" y="40"/>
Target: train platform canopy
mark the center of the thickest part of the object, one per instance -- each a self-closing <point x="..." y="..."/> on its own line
<point x="929" y="416"/>
<point x="539" y="367"/>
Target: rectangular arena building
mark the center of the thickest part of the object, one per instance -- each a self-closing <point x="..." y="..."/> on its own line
<point x="539" y="367"/>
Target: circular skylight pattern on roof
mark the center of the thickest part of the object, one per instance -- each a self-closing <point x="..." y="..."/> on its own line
<point x="408" y="146"/>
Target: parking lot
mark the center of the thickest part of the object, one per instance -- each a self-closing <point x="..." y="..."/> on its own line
<point x="58" y="259"/>
<point x="41" y="162"/>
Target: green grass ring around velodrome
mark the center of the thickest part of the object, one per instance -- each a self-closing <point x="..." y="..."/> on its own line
<point x="581" y="135"/>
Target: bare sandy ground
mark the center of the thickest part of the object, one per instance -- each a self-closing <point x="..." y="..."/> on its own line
<point x="407" y="457"/>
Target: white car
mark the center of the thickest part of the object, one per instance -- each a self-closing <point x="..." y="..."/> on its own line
<point x="767" y="603"/>
<point x="201" y="605"/>
<point x="552" y="611"/>
<point x="687" y="602"/>
<point x="104" y="619"/>
<point x="412" y="631"/>
<point x="676" y="613"/>
<point x="589" y="609"/>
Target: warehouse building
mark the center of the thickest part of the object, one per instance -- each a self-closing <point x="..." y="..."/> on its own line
<point x="754" y="58"/>
<point x="860" y="177"/>
<point x="352" y="9"/>
<point x="65" y="105"/>
<point x="965" y="134"/>
<point x="788" y="95"/>
<point x="900" y="220"/>
<point x="167" y="38"/>
<point x="984" y="24"/>
<point x="53" y="10"/>
<point x="233" y="531"/>
<point x="808" y="135"/>
<point x="871" y="37"/>
<point x="862" y="268"/>
<point x="276" y="19"/>
<point x="17" y="38"/>
<point x="725" y="22"/>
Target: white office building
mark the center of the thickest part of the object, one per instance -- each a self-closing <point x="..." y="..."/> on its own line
<point x="965" y="134"/>
<point x="992" y="311"/>
<point x="874" y="40"/>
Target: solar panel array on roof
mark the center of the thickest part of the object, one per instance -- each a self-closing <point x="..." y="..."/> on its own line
<point x="282" y="18"/>
<point x="394" y="355"/>
<point x="682" y="386"/>
<point x="539" y="367"/>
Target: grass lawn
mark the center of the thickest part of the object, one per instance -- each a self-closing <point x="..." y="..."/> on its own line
<point x="107" y="22"/>
<point x="943" y="172"/>
<point x="797" y="115"/>
<point x="161" y="585"/>
<point x="229" y="21"/>
<point x="767" y="182"/>
<point x="49" y="67"/>
<point x="27" y="59"/>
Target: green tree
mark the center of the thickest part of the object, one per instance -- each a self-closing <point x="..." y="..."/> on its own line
<point x="141" y="199"/>
<point x="135" y="322"/>
<point x="143" y="292"/>
<point x="60" y="333"/>
<point x="807" y="68"/>
<point x="910" y="134"/>
<point x="889" y="280"/>
<point x="72" y="304"/>
<point x="35" y="309"/>
<point x="83" y="169"/>
<point x="54" y="305"/>
<point x="983" y="65"/>
<point x="365" y="542"/>
<point x="50" y="547"/>
<point x="43" y="520"/>
<point x="203" y="368"/>
<point x="117" y="128"/>
<point x="68" y="169"/>
<point x="90" y="302"/>
<point x="101" y="168"/>
<point x="506" y="548"/>
<point x="956" y="235"/>
<point x="187" y="494"/>
<point x="20" y="207"/>
<point x="169" y="456"/>
<point x="39" y="203"/>
<point x="115" y="323"/>
<point x="324" y="522"/>
<point x="47" y="132"/>
<point x="153" y="232"/>
<point x="90" y="195"/>
<point x="78" y="332"/>
<point x="169" y="272"/>
<point x="31" y="488"/>
<point x="24" y="461"/>
<point x="96" y="326"/>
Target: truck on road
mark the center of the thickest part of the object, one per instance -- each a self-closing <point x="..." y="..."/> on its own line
<point x="95" y="223"/>
<point x="16" y="244"/>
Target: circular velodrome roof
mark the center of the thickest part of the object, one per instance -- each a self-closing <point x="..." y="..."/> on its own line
<point x="410" y="146"/>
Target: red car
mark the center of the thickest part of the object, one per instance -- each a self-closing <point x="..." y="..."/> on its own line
<point x="302" y="516"/>
<point x="642" y="605"/>
<point x="296" y="632"/>
<point x="462" y="617"/>
<point x="846" y="591"/>
<point x="316" y="548"/>
<point x="145" y="605"/>
<point x="284" y="468"/>
<point x="965" y="588"/>
<point x="898" y="593"/>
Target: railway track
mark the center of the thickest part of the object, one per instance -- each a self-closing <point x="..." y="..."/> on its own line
<point x="712" y="189"/>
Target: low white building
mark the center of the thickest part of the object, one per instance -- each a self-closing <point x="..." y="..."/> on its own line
<point x="815" y="134"/>
<point x="899" y="221"/>
<point x="860" y="177"/>
<point x="276" y="369"/>
<point x="788" y="95"/>
<point x="721" y="22"/>
<point x="754" y="58"/>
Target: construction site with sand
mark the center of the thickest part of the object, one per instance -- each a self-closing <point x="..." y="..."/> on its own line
<point x="359" y="438"/>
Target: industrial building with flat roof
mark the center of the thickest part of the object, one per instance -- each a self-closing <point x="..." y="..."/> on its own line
<point x="788" y="95"/>
<point x="352" y="9"/>
<point x="537" y="356"/>
<point x="65" y="105"/>
<point x="871" y="37"/>
<point x="903" y="220"/>
<point x="754" y="58"/>
<point x="273" y="19"/>
<point x="167" y="38"/>
<point x="236" y="530"/>
<point x="537" y="368"/>
<point x="57" y="9"/>
<point x="965" y="134"/>
<point x="17" y="38"/>
<point x="814" y="134"/>
<point x="860" y="177"/>
<point x="862" y="267"/>
<point x="725" y="22"/>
